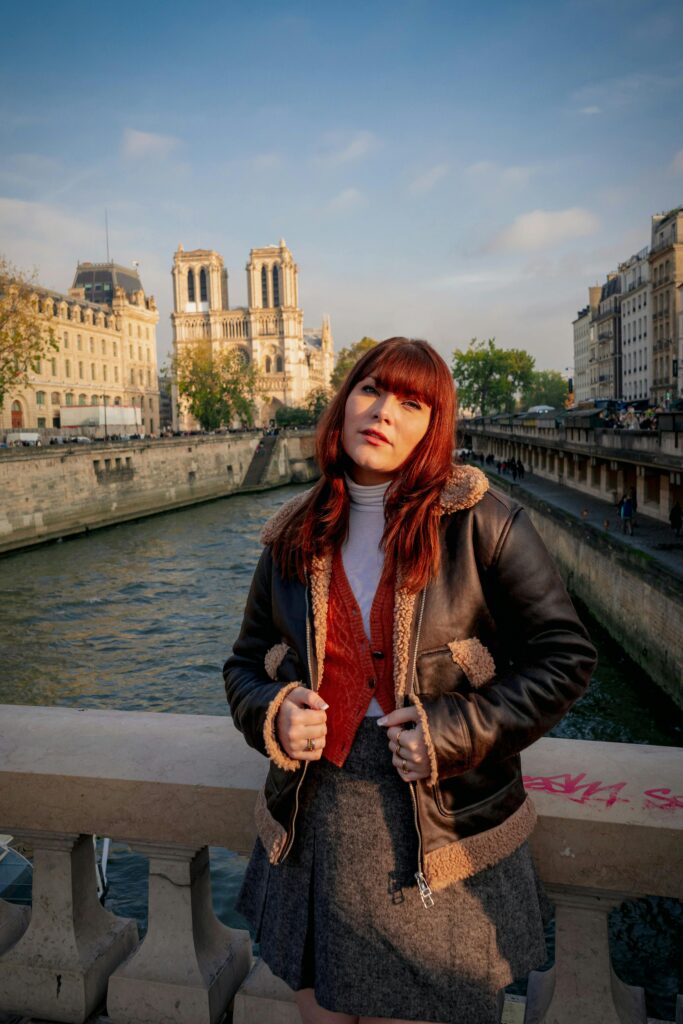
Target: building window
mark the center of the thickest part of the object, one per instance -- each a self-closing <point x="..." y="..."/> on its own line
<point x="41" y="422"/>
<point x="190" y="286"/>
<point x="69" y="398"/>
<point x="80" y="371"/>
<point x="116" y="374"/>
<point x="150" y="403"/>
<point x="132" y="376"/>
<point x="130" y="351"/>
<point x="147" y="333"/>
<point x="55" y="398"/>
<point x="139" y="353"/>
<point x="267" y="364"/>
<point x="104" y="347"/>
<point x="82" y="399"/>
<point x="66" y="339"/>
<point x="40" y="398"/>
<point x="264" y="287"/>
<point x="276" y="286"/>
<point x="117" y="401"/>
<point x="279" y="364"/>
<point x="139" y="331"/>
<point x="93" y="372"/>
<point x="92" y="344"/>
<point x="149" y="378"/>
<point x="130" y="330"/>
<point x="203" y="292"/>
<point x="38" y="366"/>
<point x="79" y="343"/>
<point x="115" y="347"/>
<point x="140" y="377"/>
<point x="67" y="367"/>
<point x="53" y="367"/>
<point x="104" y="372"/>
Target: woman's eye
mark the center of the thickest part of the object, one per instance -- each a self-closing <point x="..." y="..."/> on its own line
<point x="370" y="387"/>
<point x="412" y="404"/>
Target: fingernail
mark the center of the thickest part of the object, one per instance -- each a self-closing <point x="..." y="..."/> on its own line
<point x="324" y="706"/>
<point x="381" y="721"/>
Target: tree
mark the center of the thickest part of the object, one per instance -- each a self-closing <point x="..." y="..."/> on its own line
<point x="26" y="336"/>
<point x="547" y="387"/>
<point x="347" y="358"/>
<point x="489" y="378"/>
<point x="304" y="415"/>
<point x="218" y="385"/>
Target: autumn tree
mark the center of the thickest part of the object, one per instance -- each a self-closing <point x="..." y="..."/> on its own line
<point x="347" y="358"/>
<point x="547" y="387"/>
<point x="218" y="385"/>
<point x="26" y="336"/>
<point x="489" y="379"/>
<point x="306" y="415"/>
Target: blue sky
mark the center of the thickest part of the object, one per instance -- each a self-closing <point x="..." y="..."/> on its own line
<point x="438" y="169"/>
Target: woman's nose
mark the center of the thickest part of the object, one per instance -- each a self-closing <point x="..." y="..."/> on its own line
<point x="384" y="407"/>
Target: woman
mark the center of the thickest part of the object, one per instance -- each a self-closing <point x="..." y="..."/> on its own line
<point x="405" y="636"/>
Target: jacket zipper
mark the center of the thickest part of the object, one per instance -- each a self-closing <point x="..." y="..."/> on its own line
<point x="422" y="884"/>
<point x="290" y="839"/>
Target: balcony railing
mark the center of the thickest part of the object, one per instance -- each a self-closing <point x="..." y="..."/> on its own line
<point x="171" y="785"/>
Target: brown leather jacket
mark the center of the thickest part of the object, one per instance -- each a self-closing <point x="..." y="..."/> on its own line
<point x="491" y="653"/>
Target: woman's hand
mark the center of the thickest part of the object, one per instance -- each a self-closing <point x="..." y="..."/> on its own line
<point x="302" y="718"/>
<point x="407" y="744"/>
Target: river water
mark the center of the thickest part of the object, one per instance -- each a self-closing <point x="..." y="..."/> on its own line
<point x="141" y="617"/>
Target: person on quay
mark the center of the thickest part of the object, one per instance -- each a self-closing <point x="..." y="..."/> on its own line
<point x="406" y="635"/>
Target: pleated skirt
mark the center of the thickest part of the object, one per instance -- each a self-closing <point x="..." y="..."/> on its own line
<point x="342" y="914"/>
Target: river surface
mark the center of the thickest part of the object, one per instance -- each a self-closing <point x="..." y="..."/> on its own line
<point x="141" y="617"/>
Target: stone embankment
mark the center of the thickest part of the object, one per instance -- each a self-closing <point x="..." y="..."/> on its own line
<point x="635" y="596"/>
<point x="48" y="493"/>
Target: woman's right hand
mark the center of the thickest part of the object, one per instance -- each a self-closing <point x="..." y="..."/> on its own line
<point x="302" y="717"/>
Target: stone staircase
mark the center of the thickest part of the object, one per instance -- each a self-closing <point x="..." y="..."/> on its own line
<point x="260" y="461"/>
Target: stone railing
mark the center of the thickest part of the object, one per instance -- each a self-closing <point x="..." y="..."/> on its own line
<point x="610" y="828"/>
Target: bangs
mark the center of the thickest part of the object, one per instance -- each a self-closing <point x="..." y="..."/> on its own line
<point x="407" y="370"/>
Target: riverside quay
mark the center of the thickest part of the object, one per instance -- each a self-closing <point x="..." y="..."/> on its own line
<point x="576" y="448"/>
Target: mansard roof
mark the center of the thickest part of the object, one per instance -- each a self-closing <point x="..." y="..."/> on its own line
<point x="100" y="281"/>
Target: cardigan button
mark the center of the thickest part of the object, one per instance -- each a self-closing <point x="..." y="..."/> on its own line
<point x="372" y="683"/>
<point x="378" y="654"/>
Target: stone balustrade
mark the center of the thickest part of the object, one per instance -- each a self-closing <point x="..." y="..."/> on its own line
<point x="610" y="828"/>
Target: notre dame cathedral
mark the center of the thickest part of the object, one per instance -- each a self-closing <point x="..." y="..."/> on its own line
<point x="290" y="360"/>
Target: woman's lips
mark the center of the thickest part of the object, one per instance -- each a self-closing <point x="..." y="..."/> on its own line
<point x="374" y="437"/>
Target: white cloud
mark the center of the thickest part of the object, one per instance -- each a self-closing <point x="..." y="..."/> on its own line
<point x="540" y="229"/>
<point x="425" y="182"/>
<point x="347" y="199"/>
<point x="341" y="148"/>
<point x="495" y="175"/>
<point x="140" y="145"/>
<point x="590" y="111"/>
<point x="677" y="163"/>
<point x="43" y="236"/>
<point x="631" y="90"/>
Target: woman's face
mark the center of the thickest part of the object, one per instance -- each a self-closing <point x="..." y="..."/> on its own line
<point x="380" y="431"/>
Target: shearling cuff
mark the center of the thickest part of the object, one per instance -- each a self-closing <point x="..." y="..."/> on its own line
<point x="431" y="752"/>
<point x="273" y="748"/>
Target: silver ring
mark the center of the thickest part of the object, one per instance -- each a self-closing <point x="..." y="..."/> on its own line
<point x="404" y="766"/>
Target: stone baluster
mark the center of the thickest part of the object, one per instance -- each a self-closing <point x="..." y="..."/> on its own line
<point x="189" y="966"/>
<point x="13" y="923"/>
<point x="60" y="966"/>
<point x="582" y="985"/>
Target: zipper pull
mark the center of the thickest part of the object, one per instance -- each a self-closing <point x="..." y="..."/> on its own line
<point x="425" y="891"/>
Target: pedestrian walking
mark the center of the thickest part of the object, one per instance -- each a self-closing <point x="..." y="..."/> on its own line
<point x="676" y="518"/>
<point x="406" y="635"/>
<point x="520" y="469"/>
<point x="626" y="515"/>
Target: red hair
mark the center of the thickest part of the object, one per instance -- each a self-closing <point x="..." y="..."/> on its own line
<point x="407" y="367"/>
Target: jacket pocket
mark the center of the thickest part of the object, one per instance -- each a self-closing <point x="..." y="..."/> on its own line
<point x="458" y="665"/>
<point x="453" y="797"/>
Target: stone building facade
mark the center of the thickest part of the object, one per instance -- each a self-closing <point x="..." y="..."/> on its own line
<point x="636" y="336"/>
<point x="666" y="273"/>
<point x="290" y="360"/>
<point x="585" y="367"/>
<point x="106" y="331"/>
<point x="607" y="347"/>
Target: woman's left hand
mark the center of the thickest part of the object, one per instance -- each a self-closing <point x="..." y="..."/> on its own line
<point x="407" y="743"/>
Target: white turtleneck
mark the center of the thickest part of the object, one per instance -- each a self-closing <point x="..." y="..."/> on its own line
<point x="362" y="556"/>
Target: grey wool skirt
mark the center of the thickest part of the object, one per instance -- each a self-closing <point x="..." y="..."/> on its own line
<point x="342" y="914"/>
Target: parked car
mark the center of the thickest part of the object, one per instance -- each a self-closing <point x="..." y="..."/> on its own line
<point x="81" y="439"/>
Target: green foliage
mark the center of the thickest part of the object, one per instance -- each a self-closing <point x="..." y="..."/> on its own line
<point x="547" y="387"/>
<point x="26" y="335"/>
<point x="489" y="378"/>
<point x="347" y="358"/>
<point x="218" y="386"/>
<point x="304" y="415"/>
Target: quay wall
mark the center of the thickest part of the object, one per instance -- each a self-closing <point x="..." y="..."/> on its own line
<point x="638" y="603"/>
<point x="55" y="492"/>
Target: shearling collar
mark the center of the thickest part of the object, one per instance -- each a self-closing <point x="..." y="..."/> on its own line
<point x="466" y="486"/>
